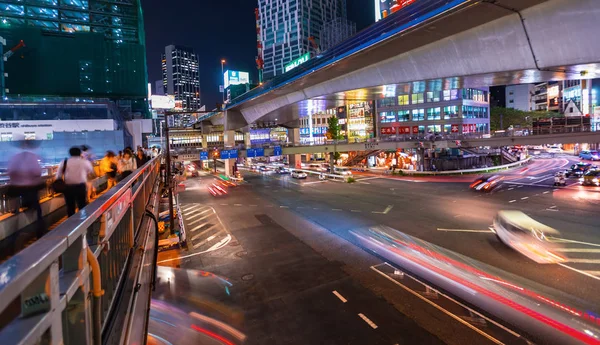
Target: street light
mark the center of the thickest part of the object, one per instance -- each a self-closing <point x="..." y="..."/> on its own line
<point x="223" y="73"/>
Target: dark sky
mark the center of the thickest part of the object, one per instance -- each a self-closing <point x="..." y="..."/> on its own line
<point x="215" y="29"/>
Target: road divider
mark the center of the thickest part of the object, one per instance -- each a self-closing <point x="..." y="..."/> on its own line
<point x="468" y="171"/>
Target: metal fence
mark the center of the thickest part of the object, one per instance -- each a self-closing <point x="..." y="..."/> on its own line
<point x="89" y="280"/>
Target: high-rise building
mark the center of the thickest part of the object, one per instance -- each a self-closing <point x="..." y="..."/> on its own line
<point x="336" y="31"/>
<point x="159" y="87"/>
<point x="520" y="97"/>
<point x="86" y="49"/>
<point x="288" y="28"/>
<point x="181" y="75"/>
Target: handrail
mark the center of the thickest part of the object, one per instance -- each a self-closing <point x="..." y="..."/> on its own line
<point x="49" y="295"/>
<point x="541" y="315"/>
<point x="467" y="171"/>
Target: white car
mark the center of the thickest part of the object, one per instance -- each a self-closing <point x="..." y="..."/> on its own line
<point x="554" y="149"/>
<point x="299" y="174"/>
<point x="528" y="236"/>
<point x="344" y="171"/>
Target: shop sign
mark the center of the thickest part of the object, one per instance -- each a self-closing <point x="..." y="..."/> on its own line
<point x="415" y="129"/>
<point x="465" y="128"/>
<point x="295" y="63"/>
<point x="405" y="130"/>
<point x="388" y="130"/>
<point x="472" y="128"/>
<point x="454" y="129"/>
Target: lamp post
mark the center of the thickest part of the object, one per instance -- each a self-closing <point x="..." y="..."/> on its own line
<point x="222" y="74"/>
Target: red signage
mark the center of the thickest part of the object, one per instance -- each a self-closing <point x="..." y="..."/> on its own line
<point x="415" y="129"/>
<point x="465" y="128"/>
<point x="472" y="128"/>
<point x="405" y="130"/>
<point x="388" y="130"/>
<point x="454" y="129"/>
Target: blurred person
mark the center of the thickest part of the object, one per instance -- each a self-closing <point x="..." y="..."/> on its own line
<point x="108" y="167"/>
<point x="87" y="154"/>
<point x="127" y="164"/>
<point x="120" y="155"/>
<point x="140" y="157"/>
<point x="25" y="174"/>
<point x="75" y="171"/>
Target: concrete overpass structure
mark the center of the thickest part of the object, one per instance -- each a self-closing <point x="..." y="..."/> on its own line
<point x="461" y="43"/>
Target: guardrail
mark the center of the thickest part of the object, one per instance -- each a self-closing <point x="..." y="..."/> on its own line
<point x="467" y="171"/>
<point x="106" y="250"/>
<point x="540" y="315"/>
<point x="331" y="176"/>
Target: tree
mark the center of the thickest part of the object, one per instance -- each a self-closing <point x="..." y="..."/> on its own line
<point x="504" y="118"/>
<point x="334" y="131"/>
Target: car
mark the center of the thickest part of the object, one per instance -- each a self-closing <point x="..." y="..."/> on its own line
<point x="344" y="171"/>
<point x="216" y="190"/>
<point x="298" y="174"/>
<point x="590" y="155"/>
<point x="528" y="237"/>
<point x="577" y="170"/>
<point x="591" y="178"/>
<point x="554" y="149"/>
<point x="486" y="183"/>
<point x="281" y="171"/>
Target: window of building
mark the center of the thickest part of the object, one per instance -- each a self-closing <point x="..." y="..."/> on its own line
<point x="387" y="116"/>
<point x="387" y="102"/>
<point x="434" y="129"/>
<point x="403" y="115"/>
<point x="418" y="114"/>
<point x="403" y="100"/>
<point x="417" y="98"/>
<point x="433" y="96"/>
<point x="451" y="112"/>
<point x="434" y="114"/>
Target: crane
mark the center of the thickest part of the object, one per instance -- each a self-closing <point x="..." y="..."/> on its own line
<point x="10" y="53"/>
<point x="5" y="57"/>
<point x="315" y="46"/>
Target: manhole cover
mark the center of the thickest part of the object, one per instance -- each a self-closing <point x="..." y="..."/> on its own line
<point x="247" y="277"/>
<point x="242" y="253"/>
<point x="234" y="243"/>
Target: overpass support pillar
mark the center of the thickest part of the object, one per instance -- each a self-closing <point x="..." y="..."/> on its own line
<point x="294" y="136"/>
<point x="229" y="142"/>
<point x="295" y="161"/>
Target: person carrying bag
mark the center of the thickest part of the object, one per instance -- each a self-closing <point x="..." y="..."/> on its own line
<point x="59" y="185"/>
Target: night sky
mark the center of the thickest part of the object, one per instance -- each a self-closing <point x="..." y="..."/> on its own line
<point x="215" y="31"/>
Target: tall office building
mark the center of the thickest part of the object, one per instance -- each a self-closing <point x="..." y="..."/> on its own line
<point x="87" y="49"/>
<point x="288" y="27"/>
<point x="181" y="76"/>
<point x="336" y="31"/>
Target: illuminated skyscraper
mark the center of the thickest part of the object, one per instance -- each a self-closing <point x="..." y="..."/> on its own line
<point x="286" y="29"/>
<point x="181" y="76"/>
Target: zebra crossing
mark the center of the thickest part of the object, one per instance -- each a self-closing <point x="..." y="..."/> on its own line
<point x="204" y="229"/>
<point x="582" y="257"/>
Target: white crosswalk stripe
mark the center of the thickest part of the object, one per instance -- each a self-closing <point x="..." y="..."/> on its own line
<point x="204" y="228"/>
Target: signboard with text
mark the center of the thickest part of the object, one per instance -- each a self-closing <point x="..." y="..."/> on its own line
<point x="295" y="63"/>
<point x="203" y="155"/>
<point x="277" y="151"/>
<point x="235" y="78"/>
<point x="253" y="153"/>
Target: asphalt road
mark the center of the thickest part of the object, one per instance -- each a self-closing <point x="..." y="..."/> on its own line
<point x="285" y="244"/>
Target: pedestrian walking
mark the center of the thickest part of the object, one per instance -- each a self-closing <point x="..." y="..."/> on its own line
<point x="86" y="153"/>
<point x="76" y="172"/>
<point x="26" y="182"/>
<point x="108" y="168"/>
<point x="140" y="157"/>
<point x="127" y="164"/>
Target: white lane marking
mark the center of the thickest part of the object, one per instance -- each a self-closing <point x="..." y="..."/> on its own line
<point x="553" y="206"/>
<point x="199" y="226"/>
<point x="556" y="239"/>
<point x="336" y="209"/>
<point x="305" y="183"/>
<point x="464" y="230"/>
<point x="546" y="192"/>
<point x="356" y="211"/>
<point x="237" y="204"/>
<point x="316" y="208"/>
<point x="283" y="207"/>
<point x="363" y="182"/>
<point x="455" y="317"/>
<point x="386" y="211"/>
<point x="199" y="220"/>
<point x="253" y="205"/>
<point x="525" y="198"/>
<point x="584" y="261"/>
<point x="198" y="215"/>
<point x="585" y="273"/>
<point x="211" y="238"/>
<point x="338" y="295"/>
<point x="203" y="232"/>
<point x="510" y="202"/>
<point x="224" y="204"/>
<point x="368" y="178"/>
<point x="552" y="209"/>
<point x="368" y="321"/>
<point x="511" y="188"/>
<point x="578" y="250"/>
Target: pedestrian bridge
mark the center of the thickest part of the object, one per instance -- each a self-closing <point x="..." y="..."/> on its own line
<point x="461" y="43"/>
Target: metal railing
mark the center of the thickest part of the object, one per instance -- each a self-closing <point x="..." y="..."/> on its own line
<point x="89" y="280"/>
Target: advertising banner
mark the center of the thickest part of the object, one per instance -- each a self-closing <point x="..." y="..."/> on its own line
<point x="472" y="128"/>
<point x="384" y="8"/>
<point x="465" y="128"/>
<point x="295" y="63"/>
<point x="405" y="130"/>
<point x="162" y="102"/>
<point x="260" y="136"/>
<point x="235" y="78"/>
<point x="388" y="130"/>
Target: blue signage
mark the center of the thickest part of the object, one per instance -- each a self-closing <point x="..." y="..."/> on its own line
<point x="229" y="154"/>
<point x="253" y="153"/>
<point x="277" y="151"/>
<point x="203" y="155"/>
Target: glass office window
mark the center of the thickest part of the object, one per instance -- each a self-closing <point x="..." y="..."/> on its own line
<point x="387" y="116"/>
<point x="451" y="112"/>
<point x="387" y="102"/>
<point x="417" y="98"/>
<point x="403" y="115"/>
<point x="434" y="114"/>
<point x="403" y="100"/>
<point x="418" y="114"/>
<point x="433" y="96"/>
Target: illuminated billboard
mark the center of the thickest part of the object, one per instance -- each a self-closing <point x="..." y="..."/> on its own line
<point x="295" y="63"/>
<point x="235" y="78"/>
<point x="162" y="102"/>
<point x="384" y="8"/>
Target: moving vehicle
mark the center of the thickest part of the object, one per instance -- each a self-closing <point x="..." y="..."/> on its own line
<point x="299" y="174"/>
<point x="591" y="178"/>
<point x="577" y="170"/>
<point x="527" y="236"/>
<point x="344" y="171"/>
<point x="559" y="179"/>
<point x="592" y="155"/>
<point x="554" y="149"/>
<point x="216" y="190"/>
<point x="281" y="171"/>
<point x="486" y="183"/>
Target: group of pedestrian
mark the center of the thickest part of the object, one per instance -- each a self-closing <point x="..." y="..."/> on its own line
<point x="73" y="177"/>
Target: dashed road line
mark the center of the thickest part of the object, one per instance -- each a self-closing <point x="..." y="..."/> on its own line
<point x="546" y="192"/>
<point x="510" y="202"/>
<point x="355" y="211"/>
<point x="237" y="205"/>
<point x="336" y="209"/>
<point x="283" y="207"/>
<point x="367" y="320"/>
<point x="525" y="198"/>
<point x="338" y="295"/>
<point x="464" y="230"/>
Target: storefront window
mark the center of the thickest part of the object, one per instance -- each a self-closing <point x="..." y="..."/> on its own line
<point x="434" y="114"/>
<point x="433" y="96"/>
<point x="447" y="129"/>
<point x="387" y="116"/>
<point x="421" y="129"/>
<point x="403" y="100"/>
<point x="418" y="114"/>
<point x="387" y="102"/>
<point x="451" y="112"/>
<point x="403" y="116"/>
<point x="434" y="129"/>
<point x="417" y="98"/>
